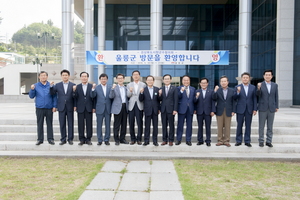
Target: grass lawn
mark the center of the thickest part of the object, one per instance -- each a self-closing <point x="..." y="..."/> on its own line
<point x="67" y="178"/>
<point x="46" y="178"/>
<point x="226" y="179"/>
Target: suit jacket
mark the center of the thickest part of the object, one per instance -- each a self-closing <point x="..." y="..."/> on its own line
<point x="102" y="101"/>
<point x="64" y="100"/>
<point x="228" y="103"/>
<point x="84" y="101"/>
<point x="244" y="102"/>
<point x="205" y="105"/>
<point x="134" y="96"/>
<point x="117" y="100"/>
<point x="265" y="100"/>
<point x="151" y="106"/>
<point x="186" y="103"/>
<point x="169" y="103"/>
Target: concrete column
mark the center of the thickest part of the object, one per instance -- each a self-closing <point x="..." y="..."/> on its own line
<point x="156" y="37"/>
<point x="67" y="40"/>
<point x="285" y="51"/>
<point x="89" y="33"/>
<point x="101" y="32"/>
<point x="245" y="25"/>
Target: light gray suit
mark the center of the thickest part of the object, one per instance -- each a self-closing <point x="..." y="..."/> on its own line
<point x="136" y="108"/>
<point x="117" y="100"/>
<point x="119" y="110"/>
<point x="267" y="105"/>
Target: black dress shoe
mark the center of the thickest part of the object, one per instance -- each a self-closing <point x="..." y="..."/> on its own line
<point x="200" y="143"/>
<point x="89" y="143"/>
<point x="107" y="143"/>
<point x="261" y="144"/>
<point x="124" y="142"/>
<point x="145" y="143"/>
<point x="208" y="144"/>
<point x="62" y="142"/>
<point x="51" y="142"/>
<point x="238" y="144"/>
<point x="155" y="144"/>
<point x="99" y="143"/>
<point x="139" y="143"/>
<point x="178" y="143"/>
<point x="248" y="144"/>
<point x="269" y="144"/>
<point x="132" y="142"/>
<point x="189" y="143"/>
<point x="70" y="142"/>
<point x="81" y="143"/>
<point x="38" y="143"/>
<point x="117" y="143"/>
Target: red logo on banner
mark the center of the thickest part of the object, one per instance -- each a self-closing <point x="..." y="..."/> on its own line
<point x="100" y="57"/>
<point x="215" y="57"/>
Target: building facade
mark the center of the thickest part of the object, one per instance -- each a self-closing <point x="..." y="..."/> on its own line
<point x="260" y="34"/>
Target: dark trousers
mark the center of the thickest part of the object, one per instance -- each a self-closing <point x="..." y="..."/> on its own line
<point x="189" y="120"/>
<point x="168" y="119"/>
<point x="207" y="120"/>
<point x="63" y="117"/>
<point x="148" y="119"/>
<point x="138" y="114"/>
<point x="42" y="113"/>
<point x="241" y="118"/>
<point x="100" y="117"/>
<point x="120" y="120"/>
<point x="85" y="119"/>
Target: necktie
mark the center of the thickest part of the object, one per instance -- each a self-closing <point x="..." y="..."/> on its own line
<point x="167" y="90"/>
<point x="187" y="91"/>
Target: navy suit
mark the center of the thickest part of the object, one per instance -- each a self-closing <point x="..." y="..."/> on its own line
<point x="65" y="107"/>
<point x="85" y="106"/>
<point x="204" y="107"/>
<point x="103" y="109"/>
<point x="224" y="110"/>
<point x="245" y="106"/>
<point x="169" y="103"/>
<point x="185" y="111"/>
<point x="267" y="105"/>
<point x="151" y="108"/>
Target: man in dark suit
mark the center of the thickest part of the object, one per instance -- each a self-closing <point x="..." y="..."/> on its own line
<point x="186" y="110"/>
<point x="85" y="108"/>
<point x="246" y="106"/>
<point x="267" y="93"/>
<point x="225" y="110"/>
<point x="120" y="109"/>
<point x="103" y="108"/>
<point x="151" y="99"/>
<point x="205" y="110"/>
<point x="169" y="107"/>
<point x="65" y="106"/>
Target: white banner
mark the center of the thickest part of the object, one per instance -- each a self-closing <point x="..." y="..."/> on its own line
<point x="162" y="57"/>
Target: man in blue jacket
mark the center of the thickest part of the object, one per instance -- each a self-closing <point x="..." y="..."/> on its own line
<point x="45" y="105"/>
<point x="246" y="107"/>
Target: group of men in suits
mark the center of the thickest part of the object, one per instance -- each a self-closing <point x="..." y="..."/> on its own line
<point x="138" y="99"/>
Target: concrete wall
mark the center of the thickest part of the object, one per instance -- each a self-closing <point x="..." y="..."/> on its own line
<point x="285" y="51"/>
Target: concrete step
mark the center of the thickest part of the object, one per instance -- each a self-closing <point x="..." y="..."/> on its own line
<point x="203" y="149"/>
<point x="32" y="128"/>
<point x="285" y="139"/>
<point x="32" y="121"/>
<point x="156" y="155"/>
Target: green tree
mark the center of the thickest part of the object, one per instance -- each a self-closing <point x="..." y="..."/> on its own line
<point x="78" y="33"/>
